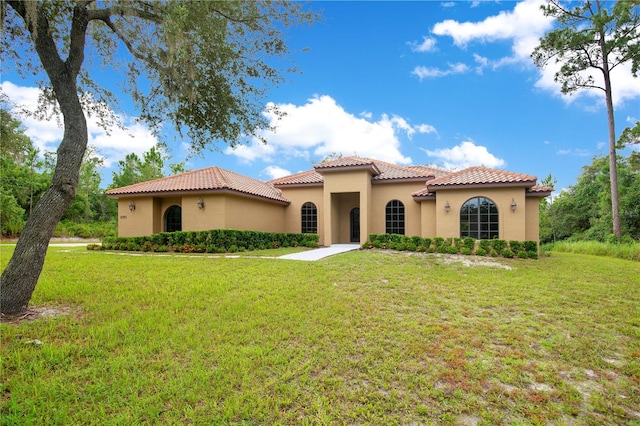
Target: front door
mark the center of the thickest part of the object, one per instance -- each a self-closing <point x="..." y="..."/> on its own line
<point x="354" y="220"/>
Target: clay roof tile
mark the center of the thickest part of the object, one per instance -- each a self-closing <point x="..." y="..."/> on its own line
<point x="208" y="179"/>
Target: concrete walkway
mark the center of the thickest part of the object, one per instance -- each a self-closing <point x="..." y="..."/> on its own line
<point x="321" y="253"/>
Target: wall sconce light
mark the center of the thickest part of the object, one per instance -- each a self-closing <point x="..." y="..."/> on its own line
<point x="132" y="205"/>
<point x="513" y="205"/>
<point x="447" y="207"/>
<point x="200" y="203"/>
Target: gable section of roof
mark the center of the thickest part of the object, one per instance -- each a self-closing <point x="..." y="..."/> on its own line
<point x="381" y="170"/>
<point x="348" y="163"/>
<point x="203" y="180"/>
<point x="481" y="176"/>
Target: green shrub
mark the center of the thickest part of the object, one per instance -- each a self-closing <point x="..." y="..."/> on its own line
<point x="466" y="251"/>
<point x="506" y="252"/>
<point x="212" y="241"/>
<point x="411" y="247"/>
<point x="531" y="246"/>
<point x="481" y="252"/>
<point x="522" y="254"/>
<point x="469" y="243"/>
<point x="516" y="246"/>
<point x="498" y="245"/>
<point x="532" y="254"/>
<point x="485" y="245"/>
<point x="452" y="250"/>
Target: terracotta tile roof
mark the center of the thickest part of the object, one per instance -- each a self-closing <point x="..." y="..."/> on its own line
<point x="539" y="189"/>
<point x="481" y="176"/>
<point x="352" y="161"/>
<point x="423" y="193"/>
<point x="310" y="177"/>
<point x="430" y="170"/>
<point x="208" y="179"/>
<point x="382" y="171"/>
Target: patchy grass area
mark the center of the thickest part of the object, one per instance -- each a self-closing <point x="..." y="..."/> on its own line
<point x="629" y="251"/>
<point x="366" y="337"/>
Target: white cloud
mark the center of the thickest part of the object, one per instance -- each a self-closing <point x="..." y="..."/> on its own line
<point x="466" y="154"/>
<point x="624" y="86"/>
<point x="46" y="134"/>
<point x="428" y="45"/>
<point x="275" y="172"/>
<point x="321" y="127"/>
<point x="449" y="4"/>
<point x="524" y="24"/>
<point x="425" y="72"/>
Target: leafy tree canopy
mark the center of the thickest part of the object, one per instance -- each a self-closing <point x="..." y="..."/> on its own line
<point x="205" y="66"/>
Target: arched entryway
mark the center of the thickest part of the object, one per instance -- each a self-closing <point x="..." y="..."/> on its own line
<point x="354" y="225"/>
<point x="173" y="219"/>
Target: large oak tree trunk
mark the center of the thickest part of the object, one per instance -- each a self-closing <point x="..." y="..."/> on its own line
<point x="21" y="275"/>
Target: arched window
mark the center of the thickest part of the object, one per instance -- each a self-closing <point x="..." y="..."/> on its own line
<point x="309" y="218"/>
<point x="479" y="219"/>
<point x="173" y="219"/>
<point x="395" y="217"/>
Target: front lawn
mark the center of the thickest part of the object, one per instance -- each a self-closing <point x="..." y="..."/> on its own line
<point x="366" y="337"/>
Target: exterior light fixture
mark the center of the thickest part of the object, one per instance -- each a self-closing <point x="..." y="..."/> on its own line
<point x="132" y="205"/>
<point x="200" y="203"/>
<point x="513" y="205"/>
<point x="447" y="207"/>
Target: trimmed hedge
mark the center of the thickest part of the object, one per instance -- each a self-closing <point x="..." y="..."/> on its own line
<point x="466" y="246"/>
<point x="213" y="241"/>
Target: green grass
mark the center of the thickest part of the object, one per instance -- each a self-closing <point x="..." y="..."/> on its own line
<point x="366" y="337"/>
<point x="622" y="251"/>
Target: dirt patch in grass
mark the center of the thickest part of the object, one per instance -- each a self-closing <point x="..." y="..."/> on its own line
<point x="37" y="312"/>
<point x="468" y="261"/>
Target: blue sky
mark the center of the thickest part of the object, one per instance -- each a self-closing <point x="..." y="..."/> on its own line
<point x="449" y="84"/>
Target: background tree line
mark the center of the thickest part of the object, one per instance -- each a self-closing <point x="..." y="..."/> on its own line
<point x="25" y="174"/>
<point x="583" y="211"/>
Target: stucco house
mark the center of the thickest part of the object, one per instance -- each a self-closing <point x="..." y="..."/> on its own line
<point x="342" y="200"/>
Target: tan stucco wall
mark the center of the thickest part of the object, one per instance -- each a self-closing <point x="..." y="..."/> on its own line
<point x="252" y="214"/>
<point x="511" y="224"/>
<point x="138" y="222"/>
<point x="428" y="218"/>
<point x="532" y="231"/>
<point x="385" y="192"/>
<point x="293" y="214"/>
<point x="211" y="216"/>
<point x="220" y="211"/>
